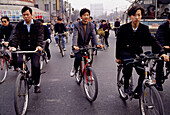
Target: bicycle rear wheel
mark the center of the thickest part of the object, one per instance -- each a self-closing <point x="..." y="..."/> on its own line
<point x="21" y="95"/>
<point x="120" y="83"/>
<point x="151" y="102"/>
<point x="61" y="47"/>
<point x="90" y="84"/>
<point x="43" y="58"/>
<point x="3" y="69"/>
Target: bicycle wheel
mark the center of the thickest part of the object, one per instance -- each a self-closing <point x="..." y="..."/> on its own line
<point x="120" y="83"/>
<point x="61" y="47"/>
<point x="21" y="95"/>
<point x="43" y="58"/>
<point x="78" y="77"/>
<point x="151" y="102"/>
<point x="90" y="84"/>
<point x="3" y="69"/>
<point x="103" y="43"/>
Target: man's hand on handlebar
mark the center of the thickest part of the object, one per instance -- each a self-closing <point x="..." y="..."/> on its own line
<point x="100" y="46"/>
<point x="118" y="61"/>
<point x="38" y="48"/>
<point x="166" y="57"/>
<point x="76" y="48"/>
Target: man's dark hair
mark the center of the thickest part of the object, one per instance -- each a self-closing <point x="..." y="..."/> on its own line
<point x="78" y="19"/>
<point x="132" y="11"/>
<point x="5" y="17"/>
<point x="25" y="8"/>
<point x="91" y="17"/>
<point x="59" y="19"/>
<point x="103" y="21"/>
<point x="41" y="20"/>
<point x="84" y="10"/>
<point x="168" y="16"/>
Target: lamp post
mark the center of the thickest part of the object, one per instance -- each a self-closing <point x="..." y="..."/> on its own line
<point x="50" y="9"/>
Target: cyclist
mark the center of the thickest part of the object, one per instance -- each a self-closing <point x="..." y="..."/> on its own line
<point x="47" y="36"/>
<point x="117" y="25"/>
<point x="60" y="28"/>
<point x="162" y="35"/>
<point x="106" y="29"/>
<point x="83" y="30"/>
<point x="6" y="31"/>
<point x="29" y="35"/>
<point x="71" y="26"/>
<point x="130" y="39"/>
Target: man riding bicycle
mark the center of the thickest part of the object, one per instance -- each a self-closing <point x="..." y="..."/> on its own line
<point x="59" y="29"/>
<point x="163" y="36"/>
<point x="83" y="30"/>
<point x="130" y="39"/>
<point x="29" y="35"/>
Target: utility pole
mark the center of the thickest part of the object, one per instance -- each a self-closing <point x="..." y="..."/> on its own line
<point x="50" y="9"/>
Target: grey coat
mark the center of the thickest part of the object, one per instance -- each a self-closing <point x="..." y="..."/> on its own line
<point x="78" y="35"/>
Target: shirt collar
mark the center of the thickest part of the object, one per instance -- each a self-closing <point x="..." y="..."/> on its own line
<point x="32" y="22"/>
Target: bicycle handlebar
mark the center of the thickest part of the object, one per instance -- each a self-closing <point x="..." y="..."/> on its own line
<point x="25" y="52"/>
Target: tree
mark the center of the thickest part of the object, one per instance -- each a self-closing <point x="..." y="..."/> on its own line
<point x="75" y="15"/>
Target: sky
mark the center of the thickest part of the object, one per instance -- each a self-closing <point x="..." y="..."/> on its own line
<point x="109" y="5"/>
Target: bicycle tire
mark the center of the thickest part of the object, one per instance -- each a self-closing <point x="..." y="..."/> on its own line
<point x="41" y="62"/>
<point x="90" y="85"/>
<point x="120" y="83"/>
<point x="21" y="108"/>
<point x="3" y="69"/>
<point x="61" y="47"/>
<point x="150" y="102"/>
<point x="79" y="76"/>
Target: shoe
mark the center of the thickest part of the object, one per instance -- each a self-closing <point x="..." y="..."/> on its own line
<point x="48" y="60"/>
<point x="56" y="45"/>
<point x="159" y="87"/>
<point x="17" y="69"/>
<point x="135" y="95"/>
<point x="72" y="73"/>
<point x="37" y="89"/>
<point x="64" y="49"/>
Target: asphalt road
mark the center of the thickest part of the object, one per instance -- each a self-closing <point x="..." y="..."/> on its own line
<point x="60" y="95"/>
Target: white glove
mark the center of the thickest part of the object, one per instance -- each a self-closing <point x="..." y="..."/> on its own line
<point x="48" y="41"/>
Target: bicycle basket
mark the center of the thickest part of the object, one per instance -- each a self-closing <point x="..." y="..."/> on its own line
<point x="101" y="32"/>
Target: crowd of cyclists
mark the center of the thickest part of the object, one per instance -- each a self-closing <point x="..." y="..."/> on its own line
<point x="29" y="34"/>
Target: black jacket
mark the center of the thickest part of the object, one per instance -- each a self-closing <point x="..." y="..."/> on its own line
<point x="7" y="31"/>
<point x="28" y="40"/>
<point x="129" y="43"/>
<point x="60" y="28"/>
<point x="163" y="34"/>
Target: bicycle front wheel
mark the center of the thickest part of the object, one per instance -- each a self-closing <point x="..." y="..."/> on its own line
<point x="90" y="84"/>
<point x="151" y="102"/>
<point x="78" y="76"/>
<point x="120" y="83"/>
<point x="21" y="95"/>
<point x="3" y="69"/>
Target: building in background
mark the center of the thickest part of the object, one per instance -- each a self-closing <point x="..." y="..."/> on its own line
<point x="96" y="10"/>
<point x="12" y="9"/>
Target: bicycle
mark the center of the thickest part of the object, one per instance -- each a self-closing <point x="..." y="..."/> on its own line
<point x="43" y="56"/>
<point x="22" y="86"/>
<point x="60" y="43"/>
<point x="5" y="62"/>
<point x="150" y="101"/>
<point x="87" y="74"/>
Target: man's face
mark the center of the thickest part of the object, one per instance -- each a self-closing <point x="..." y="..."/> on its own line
<point x="103" y="23"/>
<point x="85" y="17"/>
<point x="90" y="20"/>
<point x="137" y="17"/>
<point x="5" y="22"/>
<point x="27" y="16"/>
<point x="59" y="21"/>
